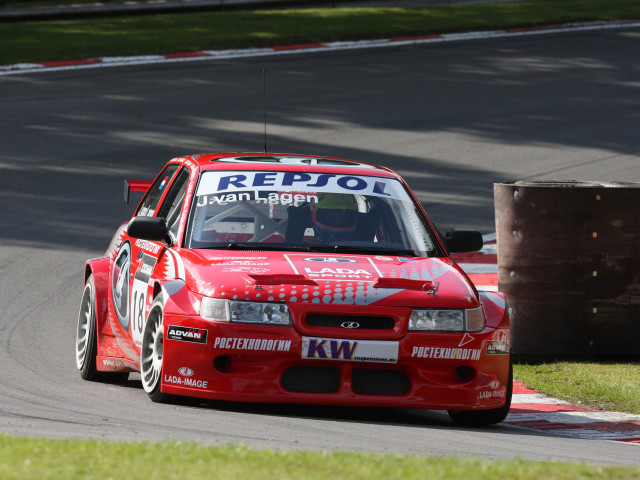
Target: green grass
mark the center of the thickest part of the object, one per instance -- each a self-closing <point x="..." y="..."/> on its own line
<point x="38" y="41"/>
<point x="609" y="386"/>
<point x="23" y="458"/>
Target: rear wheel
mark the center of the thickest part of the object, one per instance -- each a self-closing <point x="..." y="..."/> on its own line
<point x="86" y="339"/>
<point x="485" y="417"/>
<point x="151" y="352"/>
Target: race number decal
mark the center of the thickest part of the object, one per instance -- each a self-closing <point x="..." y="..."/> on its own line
<point x="139" y="293"/>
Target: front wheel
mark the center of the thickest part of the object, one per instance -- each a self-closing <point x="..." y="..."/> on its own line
<point x="87" y="339"/>
<point x="86" y="344"/>
<point x="485" y="417"/>
<point x="151" y="352"/>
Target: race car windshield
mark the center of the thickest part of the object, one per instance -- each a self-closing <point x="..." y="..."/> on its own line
<point x="307" y="211"/>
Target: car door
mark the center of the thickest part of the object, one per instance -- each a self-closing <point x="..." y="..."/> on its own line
<point x="134" y="261"/>
<point x="147" y="254"/>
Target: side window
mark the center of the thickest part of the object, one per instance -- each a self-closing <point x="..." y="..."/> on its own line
<point x="172" y="204"/>
<point x="152" y="197"/>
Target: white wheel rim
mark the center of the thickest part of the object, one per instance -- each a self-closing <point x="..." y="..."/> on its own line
<point x="83" y="335"/>
<point x="151" y="353"/>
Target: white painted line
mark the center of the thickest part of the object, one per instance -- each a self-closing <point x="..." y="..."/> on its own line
<point x="479" y="267"/>
<point x="536" y="398"/>
<point x="487" y="288"/>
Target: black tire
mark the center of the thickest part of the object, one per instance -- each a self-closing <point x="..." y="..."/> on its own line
<point x="87" y="340"/>
<point x="86" y="343"/>
<point x="151" y="352"/>
<point x="475" y="418"/>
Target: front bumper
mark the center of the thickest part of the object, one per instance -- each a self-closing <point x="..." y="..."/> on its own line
<point x="255" y="363"/>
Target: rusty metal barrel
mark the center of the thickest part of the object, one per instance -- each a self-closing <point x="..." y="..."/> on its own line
<point x="569" y="266"/>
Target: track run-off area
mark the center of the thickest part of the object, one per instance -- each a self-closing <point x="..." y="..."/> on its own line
<point x="451" y="115"/>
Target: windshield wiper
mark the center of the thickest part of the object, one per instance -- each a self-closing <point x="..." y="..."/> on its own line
<point x="260" y="246"/>
<point x="400" y="252"/>
<point x="367" y="250"/>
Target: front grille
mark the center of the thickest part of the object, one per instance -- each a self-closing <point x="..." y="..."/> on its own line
<point x="311" y="379"/>
<point x="350" y="322"/>
<point x="379" y="382"/>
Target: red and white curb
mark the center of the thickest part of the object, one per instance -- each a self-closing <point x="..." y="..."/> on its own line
<point x="315" y="47"/>
<point x="532" y="410"/>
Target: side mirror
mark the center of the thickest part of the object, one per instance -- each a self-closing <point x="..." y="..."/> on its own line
<point x="460" y="241"/>
<point x="150" y="228"/>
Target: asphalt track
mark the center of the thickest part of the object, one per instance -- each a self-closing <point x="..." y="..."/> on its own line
<point x="452" y="118"/>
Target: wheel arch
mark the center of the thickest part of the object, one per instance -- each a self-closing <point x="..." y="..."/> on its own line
<point x="176" y="297"/>
<point x="495" y="308"/>
<point x="99" y="268"/>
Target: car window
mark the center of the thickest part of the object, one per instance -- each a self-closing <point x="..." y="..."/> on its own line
<point x="154" y="194"/>
<point x="307" y="210"/>
<point x="172" y="204"/>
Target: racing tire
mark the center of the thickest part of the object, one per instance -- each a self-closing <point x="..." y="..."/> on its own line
<point x="87" y="340"/>
<point x="476" y="418"/>
<point x="151" y="352"/>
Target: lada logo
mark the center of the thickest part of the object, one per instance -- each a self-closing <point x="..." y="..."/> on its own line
<point x="330" y="260"/>
<point x="350" y="325"/>
<point x="185" y="371"/>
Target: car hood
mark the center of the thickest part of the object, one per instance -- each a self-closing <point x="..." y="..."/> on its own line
<point x="383" y="280"/>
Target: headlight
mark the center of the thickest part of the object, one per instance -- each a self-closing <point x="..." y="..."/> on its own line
<point x="222" y="310"/>
<point x="430" y="320"/>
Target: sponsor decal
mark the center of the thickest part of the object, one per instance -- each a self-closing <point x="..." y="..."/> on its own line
<point x="214" y="184"/>
<point x="343" y="268"/>
<point x="330" y="260"/>
<point x="224" y="259"/>
<point x="118" y="363"/>
<point x="497" y="347"/>
<point x="187" y="382"/>
<point x="244" y="263"/>
<point x="146" y="212"/>
<point x="109" y="362"/>
<point x="339" y="273"/>
<point x="245" y="270"/>
<point x="442" y="353"/>
<point x="187" y="334"/>
<point x="466" y="339"/>
<point x="353" y="350"/>
<point x="185" y="372"/>
<point x="502" y="334"/>
<point x="150" y="247"/>
<point x="189" y="163"/>
<point x="491" y="394"/>
<point x="256" y="344"/>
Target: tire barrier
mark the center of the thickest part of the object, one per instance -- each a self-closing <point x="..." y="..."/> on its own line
<point x="569" y="266"/>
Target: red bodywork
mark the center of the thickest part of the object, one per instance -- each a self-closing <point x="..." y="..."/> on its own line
<point x="310" y="361"/>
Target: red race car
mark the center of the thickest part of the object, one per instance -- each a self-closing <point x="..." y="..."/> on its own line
<point x="293" y="279"/>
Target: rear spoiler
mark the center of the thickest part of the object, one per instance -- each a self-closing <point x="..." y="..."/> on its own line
<point x="135" y="186"/>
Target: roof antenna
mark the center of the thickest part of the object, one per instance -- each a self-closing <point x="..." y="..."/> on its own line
<point x="264" y="95"/>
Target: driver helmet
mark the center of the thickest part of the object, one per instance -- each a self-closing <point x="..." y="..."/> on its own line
<point x="334" y="213"/>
